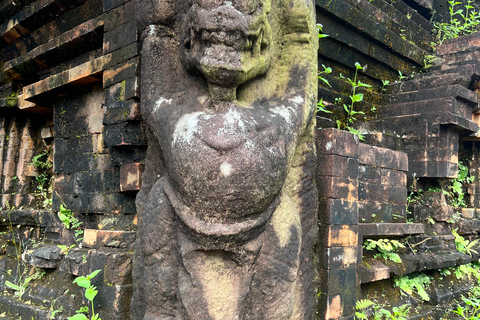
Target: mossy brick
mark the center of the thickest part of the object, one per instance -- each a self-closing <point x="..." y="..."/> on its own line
<point x="468" y="213"/>
<point x="337" y="211"/>
<point x="128" y="133"/>
<point x="115" y="301"/>
<point x="396" y="195"/>
<point x="119" y="16"/>
<point x="337" y="166"/>
<point x="390" y="229"/>
<point x="373" y="270"/>
<point x="338" y="142"/>
<point x="111" y="180"/>
<point x="342" y="10"/>
<point x="121" y="111"/>
<point x="80" y="203"/>
<point x="120" y="72"/>
<point x="338" y="280"/>
<point x="369" y="173"/>
<point x="87" y="181"/>
<point x="120" y="37"/>
<point x="60" y="24"/>
<point x="131" y="177"/>
<point x="74" y="262"/>
<point x="127" y="154"/>
<point x="337" y="188"/>
<point x="340" y="35"/>
<point x="383" y="140"/>
<point x="109" y="239"/>
<point x="338" y="235"/>
<point x="393" y="177"/>
<point x="456" y="45"/>
<point x="372" y="211"/>
<point x="337" y="257"/>
<point x="118" y="269"/>
<point x="337" y="306"/>
<point x="110" y="4"/>
<point x="121" y="203"/>
<point x="70" y="157"/>
<point x="371" y="191"/>
<point x="123" y="54"/>
<point x="132" y="88"/>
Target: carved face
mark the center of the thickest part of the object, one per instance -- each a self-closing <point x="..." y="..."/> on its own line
<point x="229" y="42"/>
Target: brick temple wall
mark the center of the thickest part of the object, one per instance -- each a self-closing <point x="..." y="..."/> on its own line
<point x="70" y="87"/>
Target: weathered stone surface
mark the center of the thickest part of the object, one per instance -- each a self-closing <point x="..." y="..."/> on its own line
<point x="237" y="202"/>
<point x="47" y="256"/>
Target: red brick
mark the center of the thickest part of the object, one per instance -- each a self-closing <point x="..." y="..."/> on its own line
<point x="131" y="177"/>
<point x="338" y="166"/>
<point x="337" y="188"/>
<point x="338" y="235"/>
<point x="334" y="141"/>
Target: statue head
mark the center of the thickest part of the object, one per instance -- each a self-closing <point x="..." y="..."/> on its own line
<point x="228" y="42"/>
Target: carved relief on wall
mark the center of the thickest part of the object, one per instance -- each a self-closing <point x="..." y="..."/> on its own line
<point x="227" y="212"/>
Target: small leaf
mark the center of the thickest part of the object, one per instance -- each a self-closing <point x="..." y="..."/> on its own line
<point x="358" y="66"/>
<point x="90" y="293"/>
<point x="361" y="84"/>
<point x="357" y="97"/>
<point x="93" y="274"/>
<point x="82" y="282"/>
<point x="78" y="316"/>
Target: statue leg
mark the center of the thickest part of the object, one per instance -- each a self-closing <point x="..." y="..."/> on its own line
<point x="157" y="260"/>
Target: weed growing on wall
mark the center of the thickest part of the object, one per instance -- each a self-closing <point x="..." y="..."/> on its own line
<point x="455" y="190"/>
<point x="71" y="222"/>
<point x="23" y="275"/>
<point x="414" y="283"/>
<point x="386" y="248"/>
<point x="462" y="21"/>
<point x="354" y="98"/>
<point x="365" y="307"/>
<point x="43" y="166"/>
<point x="90" y="294"/>
<point x="463" y="245"/>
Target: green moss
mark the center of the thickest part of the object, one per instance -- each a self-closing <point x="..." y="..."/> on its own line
<point x="12" y="100"/>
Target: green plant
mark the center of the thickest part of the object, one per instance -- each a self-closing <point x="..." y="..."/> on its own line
<point x="414" y="282"/>
<point x="320" y="31"/>
<point x="365" y="306"/>
<point x="18" y="283"/>
<point x="65" y="249"/>
<point x="43" y="166"/>
<point x="455" y="193"/>
<point x="463" y="245"/>
<point x="90" y="293"/>
<point x="354" y="98"/>
<point x="53" y="311"/>
<point x="71" y="222"/>
<point x="468" y="271"/>
<point x="428" y="61"/>
<point x="471" y="310"/>
<point x="22" y="285"/>
<point x="385" y="247"/>
<point x="462" y="22"/>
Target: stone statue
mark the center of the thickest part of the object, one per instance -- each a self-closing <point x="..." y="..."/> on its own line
<point x="227" y="210"/>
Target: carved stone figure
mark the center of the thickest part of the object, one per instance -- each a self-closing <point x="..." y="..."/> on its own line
<point x="227" y="210"/>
